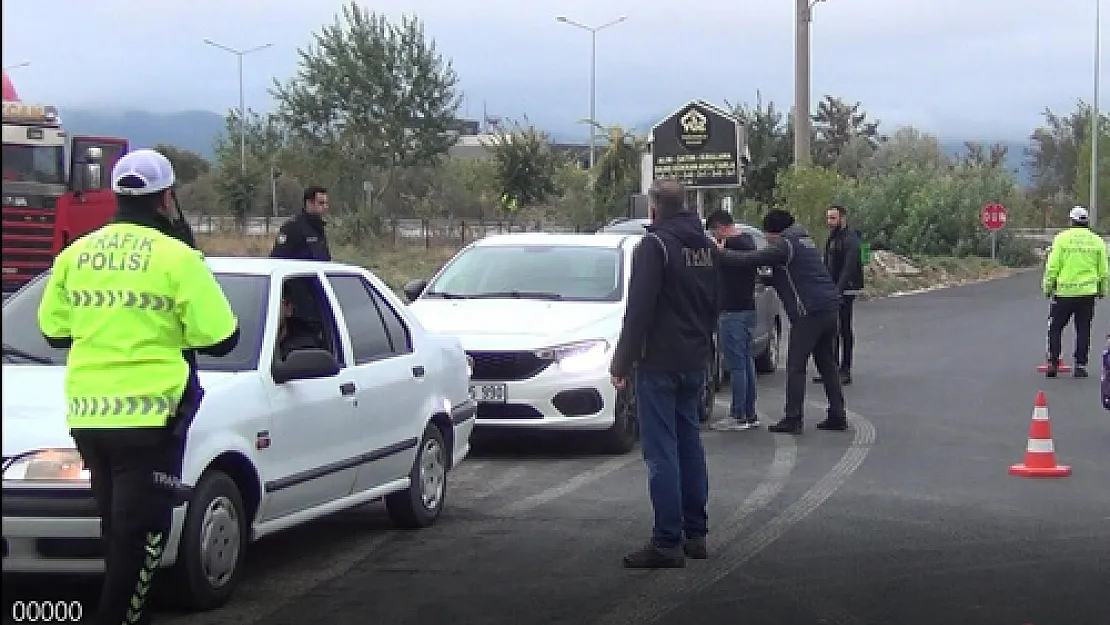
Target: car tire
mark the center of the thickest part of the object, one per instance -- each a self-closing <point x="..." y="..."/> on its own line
<point x="622" y="436"/>
<point x="419" y="505"/>
<point x="214" y="537"/>
<point x="768" y="361"/>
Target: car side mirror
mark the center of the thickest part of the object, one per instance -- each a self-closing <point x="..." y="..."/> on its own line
<point x="414" y="288"/>
<point x="305" y="364"/>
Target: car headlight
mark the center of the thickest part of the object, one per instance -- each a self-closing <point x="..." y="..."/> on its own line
<point x="48" y="465"/>
<point x="579" y="356"/>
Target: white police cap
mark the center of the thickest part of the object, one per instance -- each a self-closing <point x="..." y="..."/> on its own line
<point x="1079" y="215"/>
<point x="142" y="172"/>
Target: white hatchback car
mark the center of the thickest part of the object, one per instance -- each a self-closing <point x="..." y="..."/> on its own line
<point x="372" y="407"/>
<point x="539" y="315"/>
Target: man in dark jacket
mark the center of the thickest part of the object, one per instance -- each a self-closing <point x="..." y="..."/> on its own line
<point x="303" y="237"/>
<point x="668" y="336"/>
<point x="845" y="264"/>
<point x="812" y="301"/>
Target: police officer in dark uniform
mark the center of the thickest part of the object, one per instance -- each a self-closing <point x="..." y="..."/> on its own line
<point x="303" y="237"/>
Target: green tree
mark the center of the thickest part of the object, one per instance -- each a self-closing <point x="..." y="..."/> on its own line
<point x="835" y="124"/>
<point x="981" y="155"/>
<point x="525" y="165"/>
<point x="770" y="136"/>
<point x="1083" y="168"/>
<point x="240" y="182"/>
<point x="371" y="98"/>
<point x="187" y="165"/>
<point x="808" y="191"/>
<point x="617" y="172"/>
<point x="1054" y="155"/>
<point x="908" y="147"/>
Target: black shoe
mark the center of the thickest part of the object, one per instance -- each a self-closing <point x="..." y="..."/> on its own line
<point x="1051" y="370"/>
<point x="651" y="557"/>
<point x="835" y="424"/>
<point x="818" y="379"/>
<point x="845" y="378"/>
<point x="787" y="426"/>
<point x="695" y="548"/>
<point x="752" y="421"/>
<point x="1080" y="371"/>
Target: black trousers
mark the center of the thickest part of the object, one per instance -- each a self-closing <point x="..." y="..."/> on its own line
<point x="846" y="340"/>
<point x="1063" y="310"/>
<point x="136" y="480"/>
<point x="813" y="335"/>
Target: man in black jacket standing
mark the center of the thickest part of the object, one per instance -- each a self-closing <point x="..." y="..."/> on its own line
<point x="812" y="302"/>
<point x="845" y="264"/>
<point x="303" y="237"/>
<point x="668" y="336"/>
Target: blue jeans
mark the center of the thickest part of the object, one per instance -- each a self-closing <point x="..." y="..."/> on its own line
<point x="678" y="478"/>
<point x="735" y="338"/>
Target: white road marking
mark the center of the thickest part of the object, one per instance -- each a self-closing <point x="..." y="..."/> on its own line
<point x="668" y="590"/>
<point x="575" y="483"/>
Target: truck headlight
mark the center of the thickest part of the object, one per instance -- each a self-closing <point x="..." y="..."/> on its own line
<point x="48" y="465"/>
<point x="579" y="356"/>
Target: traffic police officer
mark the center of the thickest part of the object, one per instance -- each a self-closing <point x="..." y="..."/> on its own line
<point x="129" y="299"/>
<point x="303" y="236"/>
<point x="1074" y="276"/>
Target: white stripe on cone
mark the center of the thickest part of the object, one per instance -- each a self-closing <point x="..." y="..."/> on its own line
<point x="1040" y="446"/>
<point x="1040" y="413"/>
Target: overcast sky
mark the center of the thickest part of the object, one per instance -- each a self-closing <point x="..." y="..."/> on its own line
<point x="958" y="68"/>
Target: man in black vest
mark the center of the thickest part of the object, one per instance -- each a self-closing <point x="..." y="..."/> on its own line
<point x="303" y="237"/>
<point x="812" y="302"/>
<point x="845" y="264"/>
<point x="668" y="336"/>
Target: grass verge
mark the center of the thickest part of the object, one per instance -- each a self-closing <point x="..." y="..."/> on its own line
<point x="395" y="265"/>
<point x="936" y="271"/>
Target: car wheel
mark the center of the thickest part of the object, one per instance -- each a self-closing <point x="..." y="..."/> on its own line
<point x="622" y="436"/>
<point x="768" y="361"/>
<point x="419" y="505"/>
<point x="213" y="543"/>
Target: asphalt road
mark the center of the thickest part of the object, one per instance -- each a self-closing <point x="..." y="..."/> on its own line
<point x="908" y="519"/>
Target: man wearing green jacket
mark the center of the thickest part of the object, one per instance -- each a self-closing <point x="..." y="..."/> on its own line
<point x="1075" y="275"/>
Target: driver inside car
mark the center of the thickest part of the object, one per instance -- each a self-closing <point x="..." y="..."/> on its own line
<point x="294" y="332"/>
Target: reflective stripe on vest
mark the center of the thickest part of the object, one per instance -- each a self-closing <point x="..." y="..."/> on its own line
<point x="143" y="407"/>
<point x="101" y="298"/>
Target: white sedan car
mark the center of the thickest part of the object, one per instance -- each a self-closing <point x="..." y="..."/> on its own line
<point x="373" y="406"/>
<point x="539" y="315"/>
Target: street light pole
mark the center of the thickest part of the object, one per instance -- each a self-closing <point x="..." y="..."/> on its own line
<point x="593" y="30"/>
<point x="242" y="99"/>
<point x="1096" y="130"/>
<point x="802" y="122"/>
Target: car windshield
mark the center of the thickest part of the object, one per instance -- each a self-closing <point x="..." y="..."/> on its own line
<point x="546" y="272"/>
<point x="34" y="163"/>
<point x="24" y="343"/>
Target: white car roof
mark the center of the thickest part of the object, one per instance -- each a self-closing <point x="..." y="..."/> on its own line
<point x="557" y="239"/>
<point x="265" y="266"/>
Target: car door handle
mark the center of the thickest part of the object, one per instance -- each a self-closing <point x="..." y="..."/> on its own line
<point x="347" y="388"/>
<point x="418" y="371"/>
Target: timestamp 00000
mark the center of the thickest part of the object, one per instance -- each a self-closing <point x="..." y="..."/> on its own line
<point x="47" y="612"/>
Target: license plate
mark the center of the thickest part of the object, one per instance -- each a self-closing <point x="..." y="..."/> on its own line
<point x="488" y="393"/>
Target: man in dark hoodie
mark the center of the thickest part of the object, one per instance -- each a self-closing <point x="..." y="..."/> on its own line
<point x="303" y="237"/>
<point x="845" y="264"/>
<point x="812" y="301"/>
<point x="667" y="336"/>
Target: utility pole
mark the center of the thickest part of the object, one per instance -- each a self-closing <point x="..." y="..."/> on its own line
<point x="803" y="125"/>
<point x="242" y="99"/>
<point x="1096" y="126"/>
<point x="593" y="30"/>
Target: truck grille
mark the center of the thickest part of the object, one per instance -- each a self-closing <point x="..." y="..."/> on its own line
<point x="506" y="366"/>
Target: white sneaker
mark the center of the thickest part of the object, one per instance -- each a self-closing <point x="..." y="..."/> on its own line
<point x="729" y="424"/>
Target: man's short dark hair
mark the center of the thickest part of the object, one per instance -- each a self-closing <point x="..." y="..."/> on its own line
<point x="718" y="218"/>
<point x="149" y="202"/>
<point x="777" y="220"/>
<point x="668" y="197"/>
<point x="839" y="209"/>
<point x="311" y="192"/>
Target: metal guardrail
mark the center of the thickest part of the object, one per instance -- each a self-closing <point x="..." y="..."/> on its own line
<point x="411" y="229"/>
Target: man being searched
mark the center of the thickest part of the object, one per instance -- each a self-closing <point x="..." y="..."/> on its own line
<point x="1075" y="275"/>
<point x="845" y="263"/>
<point x="812" y="302"/>
<point x="667" y="336"/>
<point x="737" y="323"/>
<point x="130" y="300"/>
<point x="303" y="237"/>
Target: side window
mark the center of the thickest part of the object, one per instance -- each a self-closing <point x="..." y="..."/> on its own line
<point x="399" y="336"/>
<point x="306" y="319"/>
<point x="369" y="336"/>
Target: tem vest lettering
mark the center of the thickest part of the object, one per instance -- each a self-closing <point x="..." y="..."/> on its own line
<point x="698" y="258"/>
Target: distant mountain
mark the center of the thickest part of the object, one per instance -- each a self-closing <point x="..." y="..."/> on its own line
<point x="190" y="130"/>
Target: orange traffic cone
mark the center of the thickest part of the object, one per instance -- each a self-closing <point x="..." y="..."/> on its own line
<point x="1060" y="366"/>
<point x="1040" y="454"/>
